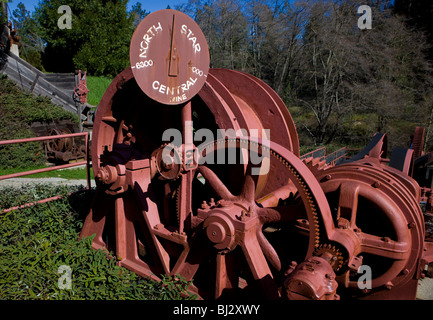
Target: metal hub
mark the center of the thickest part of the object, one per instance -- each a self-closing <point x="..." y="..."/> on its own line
<point x="168" y="162"/>
<point x="227" y="222"/>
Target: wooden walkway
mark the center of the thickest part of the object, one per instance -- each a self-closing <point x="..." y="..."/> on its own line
<point x="59" y="87"/>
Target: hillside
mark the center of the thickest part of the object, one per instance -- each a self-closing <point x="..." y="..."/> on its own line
<point x="18" y="110"/>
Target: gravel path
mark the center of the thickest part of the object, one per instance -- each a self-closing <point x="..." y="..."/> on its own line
<point x="425" y="289"/>
<point x="17" y="182"/>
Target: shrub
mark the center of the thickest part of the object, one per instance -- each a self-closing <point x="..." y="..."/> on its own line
<point x="18" y="110"/>
<point x="36" y="241"/>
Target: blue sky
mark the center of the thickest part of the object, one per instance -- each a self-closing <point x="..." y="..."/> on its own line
<point x="148" y="5"/>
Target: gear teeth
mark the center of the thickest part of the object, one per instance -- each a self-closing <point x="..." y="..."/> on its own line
<point x="178" y="204"/>
<point x="315" y="165"/>
<point x="329" y="248"/>
<point x="304" y="188"/>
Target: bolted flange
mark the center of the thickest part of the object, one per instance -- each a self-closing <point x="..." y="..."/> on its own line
<point x="220" y="230"/>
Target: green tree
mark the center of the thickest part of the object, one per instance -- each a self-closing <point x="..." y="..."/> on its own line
<point x="226" y="29"/>
<point x="346" y="72"/>
<point x="139" y="13"/>
<point x="98" y="40"/>
<point x="32" y="44"/>
<point x="3" y="12"/>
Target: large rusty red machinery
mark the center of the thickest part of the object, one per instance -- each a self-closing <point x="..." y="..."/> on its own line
<point x="209" y="211"/>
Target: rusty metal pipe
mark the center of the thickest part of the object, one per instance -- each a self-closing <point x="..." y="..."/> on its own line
<point x="63" y="166"/>
<point x="60" y="136"/>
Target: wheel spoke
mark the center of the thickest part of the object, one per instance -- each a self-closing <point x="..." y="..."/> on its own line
<point x="287" y="213"/>
<point x="255" y="258"/>
<point x="248" y="188"/>
<point x="273" y="198"/>
<point x="269" y="251"/>
<point x="215" y="183"/>
<point x="225" y="277"/>
<point x="384" y="247"/>
<point x="259" y="267"/>
<point x="348" y="202"/>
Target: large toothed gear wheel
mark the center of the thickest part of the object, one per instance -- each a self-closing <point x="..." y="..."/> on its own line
<point x="246" y="238"/>
<point x="234" y="244"/>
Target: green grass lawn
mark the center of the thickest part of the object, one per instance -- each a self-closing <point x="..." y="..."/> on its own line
<point x="97" y="87"/>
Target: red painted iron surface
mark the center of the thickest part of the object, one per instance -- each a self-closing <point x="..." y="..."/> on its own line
<point x="303" y="230"/>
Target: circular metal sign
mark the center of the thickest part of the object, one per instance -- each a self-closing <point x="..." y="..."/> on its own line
<point x="169" y="57"/>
